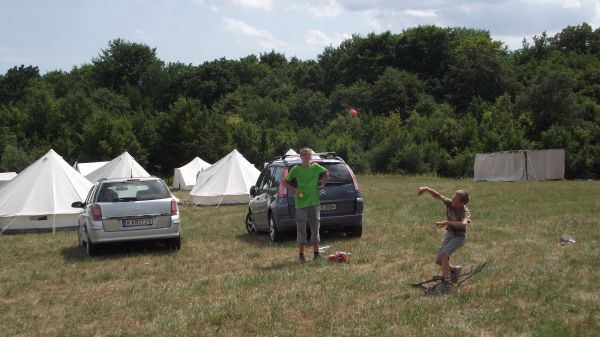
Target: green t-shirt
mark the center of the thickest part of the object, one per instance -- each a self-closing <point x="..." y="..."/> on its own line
<point x="306" y="180"/>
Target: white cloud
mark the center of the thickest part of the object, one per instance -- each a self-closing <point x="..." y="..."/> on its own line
<point x="319" y="8"/>
<point x="253" y="4"/>
<point x="141" y="34"/>
<point x="317" y="38"/>
<point x="421" y="13"/>
<point x="264" y="37"/>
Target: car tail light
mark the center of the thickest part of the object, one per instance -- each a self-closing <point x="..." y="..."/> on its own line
<point x="282" y="191"/>
<point x="174" y="210"/>
<point x="96" y="212"/>
<point x="356" y="188"/>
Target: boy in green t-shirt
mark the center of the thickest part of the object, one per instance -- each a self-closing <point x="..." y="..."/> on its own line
<point x="306" y="199"/>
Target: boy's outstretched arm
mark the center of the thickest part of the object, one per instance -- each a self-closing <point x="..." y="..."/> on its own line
<point x="431" y="191"/>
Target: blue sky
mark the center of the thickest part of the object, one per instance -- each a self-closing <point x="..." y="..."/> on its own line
<point x="61" y="34"/>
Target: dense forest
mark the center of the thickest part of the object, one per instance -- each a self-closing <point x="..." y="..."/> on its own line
<point x="428" y="99"/>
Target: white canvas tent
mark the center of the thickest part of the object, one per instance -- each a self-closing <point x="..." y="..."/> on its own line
<point x="6" y="177"/>
<point x="520" y="165"/>
<point x="87" y="168"/>
<point x="40" y="197"/>
<point x="124" y="166"/>
<point x="184" y="178"/>
<point x="291" y="152"/>
<point x="227" y="181"/>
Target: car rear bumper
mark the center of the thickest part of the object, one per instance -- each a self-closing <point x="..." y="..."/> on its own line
<point x="100" y="236"/>
<point x="337" y="222"/>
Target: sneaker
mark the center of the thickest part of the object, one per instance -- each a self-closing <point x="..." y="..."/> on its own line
<point x="301" y="257"/>
<point x="455" y="273"/>
<point x="316" y="255"/>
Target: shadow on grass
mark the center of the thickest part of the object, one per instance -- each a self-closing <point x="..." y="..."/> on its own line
<point x="116" y="250"/>
<point x="263" y="239"/>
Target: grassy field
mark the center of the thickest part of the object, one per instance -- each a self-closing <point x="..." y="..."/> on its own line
<point x="225" y="283"/>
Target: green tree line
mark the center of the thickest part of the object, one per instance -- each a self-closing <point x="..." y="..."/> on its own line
<point x="429" y="99"/>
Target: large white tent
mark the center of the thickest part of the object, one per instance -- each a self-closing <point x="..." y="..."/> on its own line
<point x="6" y="177"/>
<point x="87" y="168"/>
<point x="520" y="165"/>
<point x="227" y="181"/>
<point x="40" y="197"/>
<point x="184" y="178"/>
<point x="124" y="166"/>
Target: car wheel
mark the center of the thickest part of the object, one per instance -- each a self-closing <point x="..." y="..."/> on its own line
<point x="174" y="243"/>
<point x="91" y="248"/>
<point x="273" y="231"/>
<point x="79" y="243"/>
<point x="250" y="228"/>
<point x="355" y="232"/>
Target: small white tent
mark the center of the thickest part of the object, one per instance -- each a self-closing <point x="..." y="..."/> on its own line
<point x="227" y="181"/>
<point x="87" y="168"/>
<point x="520" y="165"/>
<point x="6" y="177"/>
<point x="184" y="178"/>
<point x="291" y="152"/>
<point x="40" y="197"/>
<point x="124" y="166"/>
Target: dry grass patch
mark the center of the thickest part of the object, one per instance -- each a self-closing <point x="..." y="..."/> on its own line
<point x="226" y="283"/>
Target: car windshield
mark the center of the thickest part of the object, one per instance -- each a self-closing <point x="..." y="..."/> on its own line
<point x="133" y="190"/>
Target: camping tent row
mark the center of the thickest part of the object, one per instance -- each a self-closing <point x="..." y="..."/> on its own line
<point x="520" y="165"/>
<point x="40" y="197"/>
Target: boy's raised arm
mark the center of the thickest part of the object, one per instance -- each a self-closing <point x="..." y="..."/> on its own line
<point x="431" y="191"/>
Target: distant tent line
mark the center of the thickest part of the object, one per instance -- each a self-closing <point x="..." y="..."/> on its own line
<point x="39" y="198"/>
<point x="520" y="165"/>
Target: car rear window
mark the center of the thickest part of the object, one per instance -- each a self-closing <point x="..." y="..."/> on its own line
<point x="133" y="190"/>
<point x="338" y="173"/>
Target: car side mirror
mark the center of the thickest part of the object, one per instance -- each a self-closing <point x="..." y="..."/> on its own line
<point x="77" y="204"/>
<point x="253" y="191"/>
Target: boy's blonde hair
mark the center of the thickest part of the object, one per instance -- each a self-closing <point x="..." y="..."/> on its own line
<point x="462" y="196"/>
<point x="306" y="149"/>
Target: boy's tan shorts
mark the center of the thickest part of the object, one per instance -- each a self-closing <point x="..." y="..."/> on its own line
<point x="449" y="245"/>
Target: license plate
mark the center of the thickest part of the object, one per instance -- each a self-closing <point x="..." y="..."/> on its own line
<point x="328" y="207"/>
<point x="137" y="222"/>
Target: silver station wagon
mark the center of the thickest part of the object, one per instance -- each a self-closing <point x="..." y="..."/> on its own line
<point x="128" y="209"/>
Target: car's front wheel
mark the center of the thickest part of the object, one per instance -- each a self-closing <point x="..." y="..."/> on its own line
<point x="250" y="228"/>
<point x="273" y="231"/>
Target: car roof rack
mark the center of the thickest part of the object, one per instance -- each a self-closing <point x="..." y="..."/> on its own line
<point x="320" y="155"/>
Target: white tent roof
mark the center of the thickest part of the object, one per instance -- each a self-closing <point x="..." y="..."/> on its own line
<point x="87" y="168"/>
<point x="124" y="166"/>
<point x="292" y="152"/>
<point x="185" y="177"/>
<point x="7" y="176"/>
<point x="227" y="181"/>
<point x="48" y="186"/>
